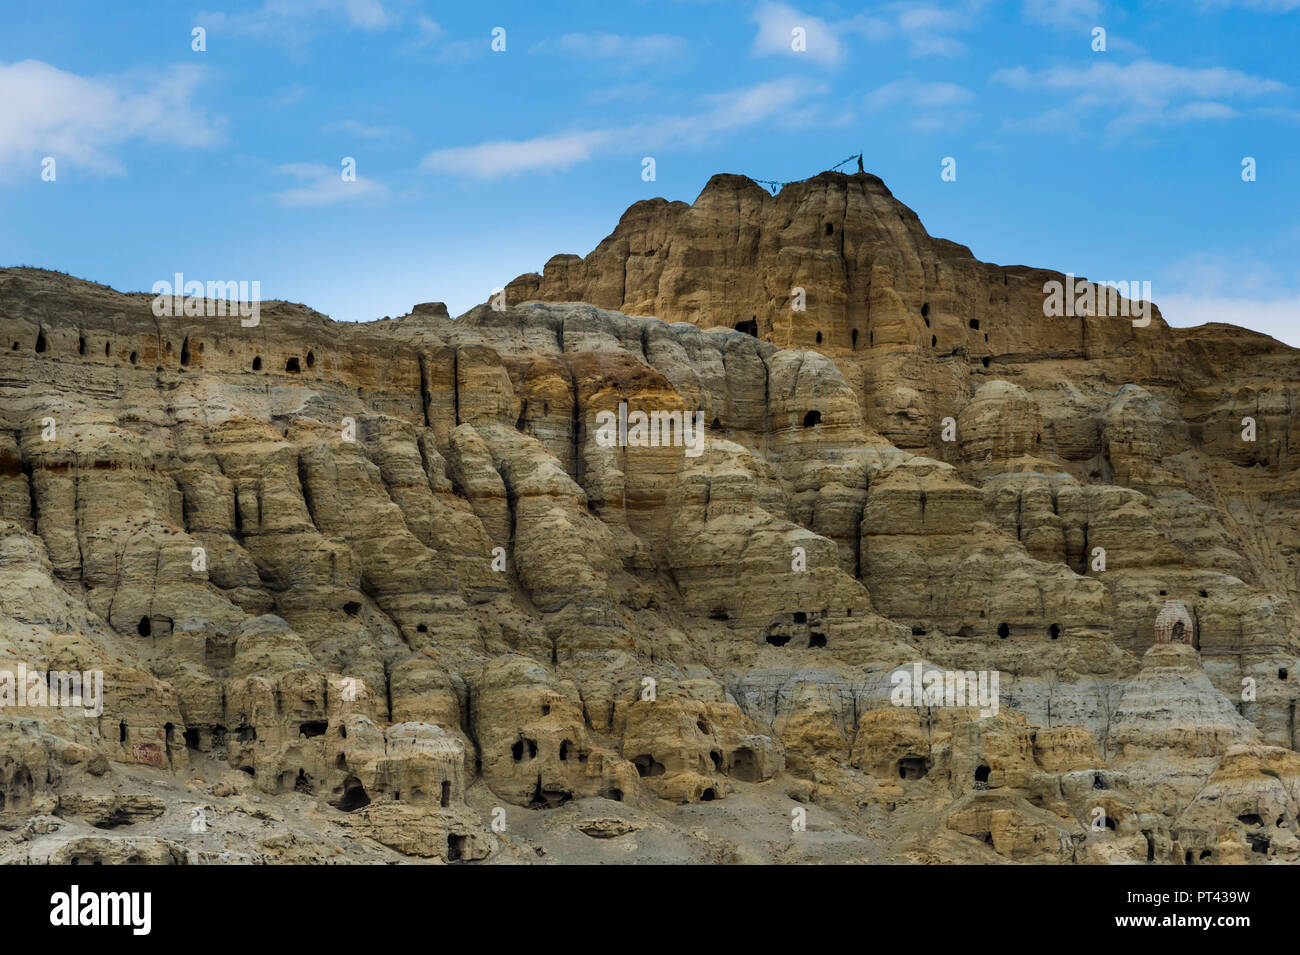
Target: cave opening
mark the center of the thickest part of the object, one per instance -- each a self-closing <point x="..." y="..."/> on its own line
<point x="912" y="767"/>
<point x="455" y="847"/>
<point x="646" y="766"/>
<point x="547" y="798"/>
<point x="354" y="795"/>
<point x="744" y="765"/>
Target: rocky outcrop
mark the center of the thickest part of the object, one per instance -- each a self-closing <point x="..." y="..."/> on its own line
<point x="659" y="540"/>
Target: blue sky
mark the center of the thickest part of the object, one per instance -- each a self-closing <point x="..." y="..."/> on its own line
<point x="474" y="165"/>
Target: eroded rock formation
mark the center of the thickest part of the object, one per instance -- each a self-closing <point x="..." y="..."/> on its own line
<point x="382" y="591"/>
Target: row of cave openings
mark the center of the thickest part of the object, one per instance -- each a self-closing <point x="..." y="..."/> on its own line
<point x="750" y="327"/>
<point x="292" y="365"/>
<point x="918" y="767"/>
<point x="778" y="634"/>
<point x="1005" y="630"/>
<point x="349" y="796"/>
<point x="525" y="750"/>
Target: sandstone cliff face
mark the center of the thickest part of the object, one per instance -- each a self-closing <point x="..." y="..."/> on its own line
<point x="383" y="591"/>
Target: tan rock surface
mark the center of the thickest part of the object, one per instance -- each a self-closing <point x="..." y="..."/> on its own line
<point x="384" y="592"/>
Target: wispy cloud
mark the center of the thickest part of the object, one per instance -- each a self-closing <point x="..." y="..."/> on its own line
<point x="427" y="31"/>
<point x="778" y="26"/>
<point x="925" y="29"/>
<point x="1263" y="6"/>
<point x="358" y="130"/>
<point x="295" y="22"/>
<point x="1064" y="13"/>
<point x="506" y="157"/>
<point x="321" y="185"/>
<point x="1145" y="93"/>
<point x="778" y="101"/>
<point x="1239" y="288"/>
<point x="624" y="93"/>
<point x="630" y="50"/>
<point x="289" y="96"/>
<point x="934" y="106"/>
<point x="84" y="120"/>
<point x="1275" y="317"/>
<point x="918" y="94"/>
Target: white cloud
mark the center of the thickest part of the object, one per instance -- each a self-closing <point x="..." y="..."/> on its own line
<point x="912" y="92"/>
<point x="932" y="104"/>
<point x="322" y="185"/>
<point x="783" y="101"/>
<point x="926" y="27"/>
<point x="629" y="49"/>
<point x="753" y="104"/>
<point x="290" y="21"/>
<point x="290" y="95"/>
<point x="776" y="25"/>
<point x="1145" y="81"/>
<point x="625" y="93"/>
<point x="1064" y="13"/>
<point x="1239" y="288"/>
<point x="1275" y="317"/>
<point x="1214" y="274"/>
<point x="83" y="120"/>
<point x="427" y="31"/>
<point x="492" y="160"/>
<point x="1146" y="93"/>
<point x="351" y="127"/>
<point x="1263" y="6"/>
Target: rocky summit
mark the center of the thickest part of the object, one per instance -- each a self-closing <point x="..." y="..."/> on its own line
<point x="773" y="530"/>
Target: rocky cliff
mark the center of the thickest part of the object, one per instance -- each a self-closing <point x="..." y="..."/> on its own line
<point x="388" y="591"/>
